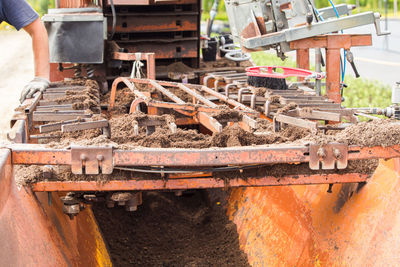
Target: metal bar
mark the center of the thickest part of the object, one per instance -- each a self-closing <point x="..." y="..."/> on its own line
<point x="197" y="96"/>
<point x="197" y="183"/>
<point x="33" y="103"/>
<point x="37" y="154"/>
<point x="209" y="122"/>
<point x="329" y="12"/>
<point x="166" y="92"/>
<point x="188" y="107"/>
<point x="315" y="115"/>
<point x="54" y="107"/>
<point x="51" y="127"/>
<point x="72" y="127"/>
<point x="128" y="83"/>
<point x="302" y="32"/>
<point x="226" y="99"/>
<point x="311" y="125"/>
<point x="205" y="119"/>
<point x="51" y="116"/>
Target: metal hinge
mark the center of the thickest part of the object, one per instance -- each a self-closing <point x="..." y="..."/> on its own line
<point x="330" y="156"/>
<point x="91" y="160"/>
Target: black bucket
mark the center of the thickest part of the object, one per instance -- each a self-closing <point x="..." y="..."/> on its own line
<point x="210" y="53"/>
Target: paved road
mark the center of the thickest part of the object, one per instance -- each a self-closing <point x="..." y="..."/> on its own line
<point x="381" y="61"/>
<point x="16" y="69"/>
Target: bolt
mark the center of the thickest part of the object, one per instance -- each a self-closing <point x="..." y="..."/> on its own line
<point x="131" y="208"/>
<point x="321" y="152"/>
<point x="280" y="25"/>
<point x="100" y="157"/>
<point x="83" y="157"/>
<point x="337" y="153"/>
<point x="178" y="193"/>
<point x="110" y="204"/>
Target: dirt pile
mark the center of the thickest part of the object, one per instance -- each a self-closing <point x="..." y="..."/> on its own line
<point x="236" y="136"/>
<point x="171" y="231"/>
<point x="123" y="100"/>
<point x="28" y="174"/>
<point x="228" y="114"/>
<point x="372" y="133"/>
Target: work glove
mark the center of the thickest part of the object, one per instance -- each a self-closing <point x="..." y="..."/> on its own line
<point x="36" y="85"/>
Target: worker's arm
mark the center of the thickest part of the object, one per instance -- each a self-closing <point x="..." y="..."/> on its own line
<point x="21" y="15"/>
<point x="40" y="46"/>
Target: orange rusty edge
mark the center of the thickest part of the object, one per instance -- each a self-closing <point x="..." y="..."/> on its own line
<point x="33" y="154"/>
<point x="198" y="183"/>
<point x="333" y="41"/>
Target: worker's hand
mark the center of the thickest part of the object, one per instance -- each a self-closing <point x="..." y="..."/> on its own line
<point x="34" y="86"/>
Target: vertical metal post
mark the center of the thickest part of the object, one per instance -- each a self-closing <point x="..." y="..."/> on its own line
<point x="333" y="74"/>
<point x="318" y="55"/>
<point x="151" y="66"/>
<point x="303" y="60"/>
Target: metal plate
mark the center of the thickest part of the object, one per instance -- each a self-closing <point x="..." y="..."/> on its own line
<point x="91" y="160"/>
<point x="330" y="155"/>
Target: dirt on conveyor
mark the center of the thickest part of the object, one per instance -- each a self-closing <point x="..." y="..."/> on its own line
<point x="171" y="231"/>
<point x="87" y="99"/>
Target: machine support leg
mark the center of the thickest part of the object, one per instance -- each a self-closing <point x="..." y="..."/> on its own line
<point x="303" y="60"/>
<point x="333" y="74"/>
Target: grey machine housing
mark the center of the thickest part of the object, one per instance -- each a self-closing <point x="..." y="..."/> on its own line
<point x="265" y="24"/>
<point x="76" y="35"/>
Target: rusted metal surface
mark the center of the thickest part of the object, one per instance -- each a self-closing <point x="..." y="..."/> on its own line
<point x="91" y="160"/>
<point x="164" y="50"/>
<point x="61" y="115"/>
<point x="280" y="119"/>
<point x="151" y="2"/>
<point x="79" y="126"/>
<point x="29" y="224"/>
<point x="36" y="154"/>
<point x="306" y="226"/>
<point x="328" y="156"/>
<point x="51" y="127"/>
<point x="302" y="60"/>
<point x="332" y="43"/>
<point x="164" y="22"/>
<point x="198" y="183"/>
<point x="148" y="57"/>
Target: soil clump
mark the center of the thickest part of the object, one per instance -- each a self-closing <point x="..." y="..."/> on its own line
<point x="171" y="231"/>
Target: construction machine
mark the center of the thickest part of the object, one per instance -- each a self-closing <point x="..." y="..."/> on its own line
<point x="133" y="109"/>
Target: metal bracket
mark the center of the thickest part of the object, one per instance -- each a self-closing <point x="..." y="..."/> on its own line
<point x="329" y="155"/>
<point x="91" y="160"/>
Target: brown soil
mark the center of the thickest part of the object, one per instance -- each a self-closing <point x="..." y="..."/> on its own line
<point x="236" y="136"/>
<point x="228" y="115"/>
<point x="259" y="91"/>
<point x="373" y="133"/>
<point x="171" y="231"/>
<point x="27" y="174"/>
<point x="286" y="108"/>
<point x="179" y="67"/>
<point x="123" y="100"/>
<point x="222" y="63"/>
<point x="274" y="99"/>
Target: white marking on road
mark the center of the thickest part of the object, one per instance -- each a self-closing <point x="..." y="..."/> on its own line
<point x="381" y="62"/>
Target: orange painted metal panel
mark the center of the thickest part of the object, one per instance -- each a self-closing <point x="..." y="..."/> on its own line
<point x="306" y="226"/>
<point x="197" y="183"/>
<point x="33" y="233"/>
